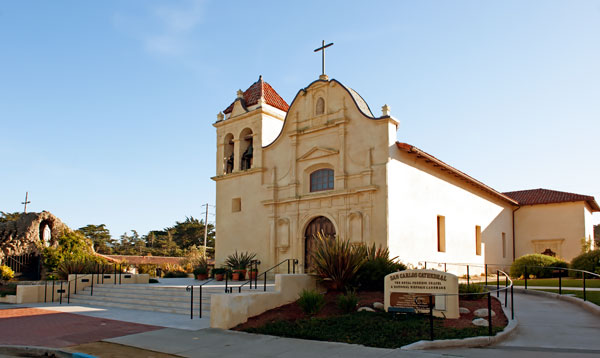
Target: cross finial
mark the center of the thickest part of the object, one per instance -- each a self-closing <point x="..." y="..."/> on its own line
<point x="26" y="202"/>
<point x="322" y="49"/>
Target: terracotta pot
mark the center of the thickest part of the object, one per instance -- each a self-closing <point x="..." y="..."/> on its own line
<point x="219" y="276"/>
<point x="235" y="276"/>
<point x="253" y="275"/>
<point x="202" y="276"/>
<point x="242" y="275"/>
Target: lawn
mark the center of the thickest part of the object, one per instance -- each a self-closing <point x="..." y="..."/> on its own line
<point x="371" y="329"/>
<point x="553" y="282"/>
<point x="592" y="296"/>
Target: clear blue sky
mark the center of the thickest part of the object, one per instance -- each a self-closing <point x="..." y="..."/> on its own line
<point x="106" y="107"/>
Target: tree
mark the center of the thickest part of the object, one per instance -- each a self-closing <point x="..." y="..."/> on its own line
<point x="100" y="237"/>
<point x="4" y="217"/>
<point x="597" y="235"/>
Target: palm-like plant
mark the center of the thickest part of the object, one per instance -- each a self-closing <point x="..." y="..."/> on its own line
<point x="239" y="261"/>
<point x="337" y="260"/>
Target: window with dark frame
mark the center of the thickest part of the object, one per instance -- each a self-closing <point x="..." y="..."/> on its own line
<point x="321" y="179"/>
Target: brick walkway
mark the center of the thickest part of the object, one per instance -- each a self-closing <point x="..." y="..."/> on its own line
<point x="39" y="327"/>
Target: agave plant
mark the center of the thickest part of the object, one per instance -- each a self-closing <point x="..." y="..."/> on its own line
<point x="239" y="261"/>
<point x="337" y="260"/>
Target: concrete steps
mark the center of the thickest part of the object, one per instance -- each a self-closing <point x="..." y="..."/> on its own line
<point x="146" y="298"/>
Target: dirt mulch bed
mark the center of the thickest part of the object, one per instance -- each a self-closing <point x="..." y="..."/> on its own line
<point x="293" y="312"/>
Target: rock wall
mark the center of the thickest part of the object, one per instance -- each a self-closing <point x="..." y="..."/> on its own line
<point x="22" y="236"/>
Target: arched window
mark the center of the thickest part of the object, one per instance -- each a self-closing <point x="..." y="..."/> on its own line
<point x="321" y="179"/>
<point x="228" y="154"/>
<point x="247" y="149"/>
<point x="320" y="109"/>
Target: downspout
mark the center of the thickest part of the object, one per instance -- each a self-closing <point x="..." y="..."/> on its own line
<point x="513" y="233"/>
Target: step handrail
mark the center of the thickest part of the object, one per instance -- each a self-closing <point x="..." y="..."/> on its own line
<point x="264" y="274"/>
<point x="190" y="289"/>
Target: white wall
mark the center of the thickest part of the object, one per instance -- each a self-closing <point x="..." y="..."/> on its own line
<point x="419" y="192"/>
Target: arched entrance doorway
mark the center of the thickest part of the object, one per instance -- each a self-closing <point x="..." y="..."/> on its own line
<point x="319" y="224"/>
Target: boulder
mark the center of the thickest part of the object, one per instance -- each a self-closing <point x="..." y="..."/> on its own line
<point x="481" y="322"/>
<point x="483" y="312"/>
<point x="378" y="306"/>
<point x="367" y="309"/>
<point x="464" y="310"/>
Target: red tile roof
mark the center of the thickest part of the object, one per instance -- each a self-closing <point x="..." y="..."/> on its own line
<point x="545" y="196"/>
<point x="260" y="89"/>
<point x="435" y="162"/>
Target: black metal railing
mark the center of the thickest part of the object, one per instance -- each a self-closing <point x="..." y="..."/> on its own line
<point x="430" y="305"/>
<point x="291" y="266"/>
<point x="468" y="266"/>
<point x="190" y="289"/>
<point x="99" y="275"/>
<point x="560" y="271"/>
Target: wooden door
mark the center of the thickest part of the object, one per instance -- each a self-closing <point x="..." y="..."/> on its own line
<point x="319" y="224"/>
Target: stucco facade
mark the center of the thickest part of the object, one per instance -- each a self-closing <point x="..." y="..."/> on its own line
<point x="560" y="227"/>
<point x="379" y="191"/>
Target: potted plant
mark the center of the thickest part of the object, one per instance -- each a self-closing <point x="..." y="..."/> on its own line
<point x="238" y="262"/>
<point x="201" y="272"/>
<point x="219" y="273"/>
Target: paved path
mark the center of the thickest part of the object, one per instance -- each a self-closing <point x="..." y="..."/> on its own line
<point x="547" y="327"/>
<point x="209" y="343"/>
<point x="38" y="327"/>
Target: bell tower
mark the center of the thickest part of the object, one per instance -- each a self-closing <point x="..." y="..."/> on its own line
<point x="252" y="120"/>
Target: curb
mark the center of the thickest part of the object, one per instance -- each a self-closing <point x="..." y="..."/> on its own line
<point x="587" y="305"/>
<point x="471" y="341"/>
<point x="33" y="351"/>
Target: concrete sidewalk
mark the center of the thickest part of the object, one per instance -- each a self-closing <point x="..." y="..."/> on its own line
<point x="547" y="327"/>
<point x="218" y="343"/>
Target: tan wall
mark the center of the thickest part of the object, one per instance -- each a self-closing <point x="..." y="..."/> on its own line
<point x="277" y="204"/>
<point x="557" y="226"/>
<point x="230" y="310"/>
<point x="418" y="193"/>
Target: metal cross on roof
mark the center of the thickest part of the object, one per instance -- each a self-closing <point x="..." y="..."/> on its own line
<point x="322" y="48"/>
<point x="26" y="201"/>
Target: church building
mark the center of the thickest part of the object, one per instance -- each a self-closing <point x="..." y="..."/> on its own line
<point x="327" y="163"/>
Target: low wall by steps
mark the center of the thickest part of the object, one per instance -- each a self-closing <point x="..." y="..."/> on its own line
<point x="227" y="310"/>
<point x="44" y="292"/>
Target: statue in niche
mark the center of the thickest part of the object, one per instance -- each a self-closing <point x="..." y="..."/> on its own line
<point x="247" y="158"/>
<point x="549" y="252"/>
<point x="229" y="164"/>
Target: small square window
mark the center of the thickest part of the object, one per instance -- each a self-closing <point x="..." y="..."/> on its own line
<point x="236" y="205"/>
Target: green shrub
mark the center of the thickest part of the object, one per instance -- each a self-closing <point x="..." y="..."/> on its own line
<point x="536" y="265"/>
<point x="464" y="288"/>
<point x="347" y="302"/>
<point x="175" y="274"/>
<point x="72" y="246"/>
<point x="589" y="261"/>
<point x="147" y="269"/>
<point x="6" y="273"/>
<point x="371" y="274"/>
<point x="311" y="302"/>
<point x="337" y="260"/>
